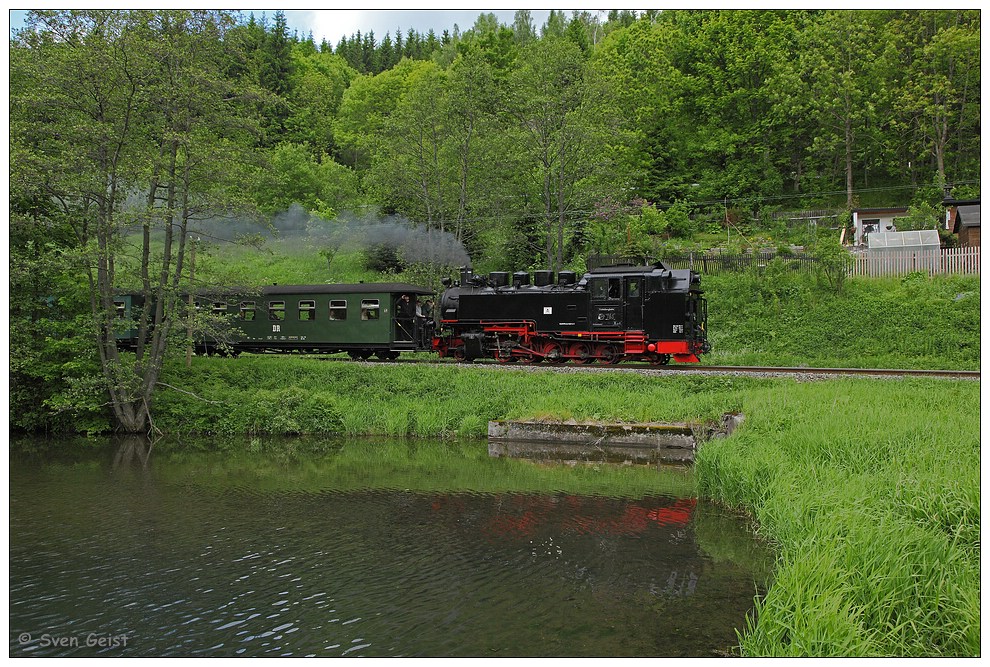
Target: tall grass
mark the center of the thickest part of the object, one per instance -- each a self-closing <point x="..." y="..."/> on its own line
<point x="871" y="492"/>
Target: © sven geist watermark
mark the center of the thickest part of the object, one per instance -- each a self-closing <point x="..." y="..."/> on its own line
<point x="88" y="639"/>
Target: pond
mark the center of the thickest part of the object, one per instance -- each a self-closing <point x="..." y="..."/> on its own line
<point x="289" y="548"/>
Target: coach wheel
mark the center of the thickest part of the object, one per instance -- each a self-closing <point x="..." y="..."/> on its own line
<point x="387" y="355"/>
<point x="582" y="352"/>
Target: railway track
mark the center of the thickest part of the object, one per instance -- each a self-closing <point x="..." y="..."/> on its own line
<point x="758" y="371"/>
<point x="871" y="372"/>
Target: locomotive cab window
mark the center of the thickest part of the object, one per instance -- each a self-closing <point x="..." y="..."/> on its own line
<point x="605" y="289"/>
<point x="247" y="310"/>
<point x="369" y="309"/>
<point x="307" y="311"/>
<point x="632" y="288"/>
<point x="338" y="309"/>
<point x="276" y="311"/>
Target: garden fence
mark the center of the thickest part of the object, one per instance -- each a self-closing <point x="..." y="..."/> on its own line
<point x="894" y="263"/>
<point x="891" y="263"/>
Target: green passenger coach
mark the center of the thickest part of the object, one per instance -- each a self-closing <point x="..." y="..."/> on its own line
<point x="361" y="319"/>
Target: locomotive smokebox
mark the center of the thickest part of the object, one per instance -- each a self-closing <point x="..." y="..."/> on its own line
<point x="542" y="278"/>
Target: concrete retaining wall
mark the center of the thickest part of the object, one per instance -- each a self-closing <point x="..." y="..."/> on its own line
<point x="635" y="443"/>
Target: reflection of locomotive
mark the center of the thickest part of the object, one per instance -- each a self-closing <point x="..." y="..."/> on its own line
<point x="613" y="314"/>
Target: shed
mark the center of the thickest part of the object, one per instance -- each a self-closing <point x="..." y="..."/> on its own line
<point x="964" y="220"/>
<point x="867" y="221"/>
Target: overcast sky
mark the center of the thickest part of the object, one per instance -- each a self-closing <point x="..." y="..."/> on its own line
<point x="333" y="24"/>
<point x="336" y="23"/>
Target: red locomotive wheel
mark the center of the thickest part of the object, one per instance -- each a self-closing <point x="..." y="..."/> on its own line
<point x="554" y="354"/>
<point x="611" y="354"/>
<point x="582" y="352"/>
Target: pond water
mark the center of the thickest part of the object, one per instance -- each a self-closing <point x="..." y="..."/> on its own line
<point x="123" y="549"/>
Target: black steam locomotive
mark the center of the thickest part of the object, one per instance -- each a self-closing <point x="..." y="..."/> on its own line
<point x="612" y="314"/>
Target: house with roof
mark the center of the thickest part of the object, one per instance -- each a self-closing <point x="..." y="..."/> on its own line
<point x="868" y="221"/>
<point x="963" y="218"/>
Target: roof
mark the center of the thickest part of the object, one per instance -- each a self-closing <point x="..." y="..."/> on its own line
<point x="967" y="215"/>
<point x="886" y="209"/>
<point x="925" y="238"/>
<point x="338" y="288"/>
<point x="347" y="288"/>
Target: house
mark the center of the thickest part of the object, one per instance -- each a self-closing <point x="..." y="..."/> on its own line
<point x="963" y="218"/>
<point x="868" y="221"/>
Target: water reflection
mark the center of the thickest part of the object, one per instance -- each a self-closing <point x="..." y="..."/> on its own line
<point x="147" y="544"/>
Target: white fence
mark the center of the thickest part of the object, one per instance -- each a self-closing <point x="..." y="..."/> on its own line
<point x="892" y="263"/>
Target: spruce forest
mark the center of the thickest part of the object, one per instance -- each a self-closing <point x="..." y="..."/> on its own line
<point x="533" y="146"/>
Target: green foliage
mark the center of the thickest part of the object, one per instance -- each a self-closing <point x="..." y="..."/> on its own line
<point x="834" y="262"/>
<point x="293" y="176"/>
<point x="878" y="538"/>
<point x="783" y="317"/>
<point x="383" y="258"/>
<point x="919" y="216"/>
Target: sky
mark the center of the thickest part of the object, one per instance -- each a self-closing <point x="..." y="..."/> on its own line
<point x="333" y="24"/>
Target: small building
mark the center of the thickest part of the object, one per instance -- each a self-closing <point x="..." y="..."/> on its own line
<point x="963" y="218"/>
<point x="868" y="221"/>
<point x="917" y="250"/>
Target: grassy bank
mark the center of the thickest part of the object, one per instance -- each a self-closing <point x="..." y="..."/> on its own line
<point x="872" y="492"/>
<point x="785" y="319"/>
<point x="869" y="488"/>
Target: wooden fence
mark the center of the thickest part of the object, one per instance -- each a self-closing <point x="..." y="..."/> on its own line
<point x="893" y="263"/>
<point x="714" y="265"/>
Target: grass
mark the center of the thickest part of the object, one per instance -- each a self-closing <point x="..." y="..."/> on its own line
<point x="785" y="319"/>
<point x="871" y="490"/>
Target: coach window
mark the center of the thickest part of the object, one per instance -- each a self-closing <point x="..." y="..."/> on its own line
<point x="220" y="308"/>
<point x="338" y="309"/>
<point x="369" y="309"/>
<point x="307" y="311"/>
<point x="247" y="310"/>
<point x="120" y="307"/>
<point x="276" y="310"/>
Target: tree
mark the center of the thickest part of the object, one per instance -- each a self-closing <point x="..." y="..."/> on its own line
<point x="838" y="63"/>
<point x="567" y="138"/>
<point x="144" y="114"/>
<point x="940" y="92"/>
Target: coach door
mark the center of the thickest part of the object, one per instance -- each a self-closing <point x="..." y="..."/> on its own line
<point x="634" y="303"/>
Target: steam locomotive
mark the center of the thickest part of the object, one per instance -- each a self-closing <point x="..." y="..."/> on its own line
<point x="612" y="314"/>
